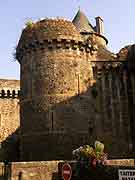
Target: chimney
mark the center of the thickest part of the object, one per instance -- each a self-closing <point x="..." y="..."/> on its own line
<point x="99" y="25"/>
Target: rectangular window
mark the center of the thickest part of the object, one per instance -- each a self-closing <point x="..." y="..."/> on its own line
<point x="51" y="119"/>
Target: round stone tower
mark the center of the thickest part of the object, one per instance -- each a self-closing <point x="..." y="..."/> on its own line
<point x="55" y="78"/>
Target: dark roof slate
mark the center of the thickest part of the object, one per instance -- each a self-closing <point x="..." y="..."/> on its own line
<point x="82" y="23"/>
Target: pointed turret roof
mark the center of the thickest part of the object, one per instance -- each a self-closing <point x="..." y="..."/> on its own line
<point x="82" y="23"/>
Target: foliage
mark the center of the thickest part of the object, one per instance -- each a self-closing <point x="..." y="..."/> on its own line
<point x="29" y="24"/>
<point x="88" y="152"/>
<point x="89" y="157"/>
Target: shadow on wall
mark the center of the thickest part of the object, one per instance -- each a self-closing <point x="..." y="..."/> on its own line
<point x="64" y="127"/>
<point x="71" y="110"/>
<point x="95" y="114"/>
<point x="10" y="148"/>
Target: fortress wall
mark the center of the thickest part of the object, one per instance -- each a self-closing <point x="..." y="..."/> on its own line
<point x="54" y="77"/>
<point x="9" y="117"/>
<point x="51" y="170"/>
<point x="42" y="170"/>
<point x="115" y="125"/>
<point x="51" y="84"/>
<point x="57" y="106"/>
<point x="9" y="107"/>
<point x="9" y="114"/>
<point x="9" y="84"/>
<point x="55" y="72"/>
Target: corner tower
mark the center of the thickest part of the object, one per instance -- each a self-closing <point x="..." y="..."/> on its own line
<point x="55" y="76"/>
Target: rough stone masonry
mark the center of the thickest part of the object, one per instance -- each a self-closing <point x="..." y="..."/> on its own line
<point x="73" y="91"/>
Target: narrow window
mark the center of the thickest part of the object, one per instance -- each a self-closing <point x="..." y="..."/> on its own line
<point x="52" y="117"/>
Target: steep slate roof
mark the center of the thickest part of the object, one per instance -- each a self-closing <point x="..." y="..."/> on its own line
<point x="82" y="23"/>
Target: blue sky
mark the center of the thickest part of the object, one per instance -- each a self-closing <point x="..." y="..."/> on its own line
<point x="118" y="18"/>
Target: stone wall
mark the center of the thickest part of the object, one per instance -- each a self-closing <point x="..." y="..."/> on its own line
<point x="55" y="75"/>
<point x="9" y="116"/>
<point x="58" y="104"/>
<point x="115" y="99"/>
<point x="51" y="170"/>
<point x="47" y="170"/>
<point x="97" y="39"/>
<point x="1" y="171"/>
<point x="7" y="84"/>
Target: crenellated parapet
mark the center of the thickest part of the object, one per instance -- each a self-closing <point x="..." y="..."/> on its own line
<point x="54" y="44"/>
<point x="104" y="67"/>
<point x="9" y="88"/>
<point x="51" y="34"/>
<point x="9" y="93"/>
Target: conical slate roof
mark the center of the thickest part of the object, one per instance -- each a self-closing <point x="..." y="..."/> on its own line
<point x="82" y="23"/>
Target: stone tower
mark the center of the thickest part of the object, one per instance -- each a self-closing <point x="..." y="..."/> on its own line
<point x="73" y="90"/>
<point x="56" y="76"/>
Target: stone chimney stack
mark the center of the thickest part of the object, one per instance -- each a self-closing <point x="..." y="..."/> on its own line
<point x="99" y="25"/>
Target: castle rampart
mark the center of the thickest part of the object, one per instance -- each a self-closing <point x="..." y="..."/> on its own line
<point x="9" y="116"/>
<point x="53" y="73"/>
<point x="70" y="92"/>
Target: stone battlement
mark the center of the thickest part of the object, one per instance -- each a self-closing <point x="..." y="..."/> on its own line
<point x="9" y="88"/>
<point x="109" y="66"/>
<point x="55" y="44"/>
<point x="9" y="93"/>
<point x="49" y="29"/>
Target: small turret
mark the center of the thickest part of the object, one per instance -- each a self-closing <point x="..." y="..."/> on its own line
<point x="88" y="31"/>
